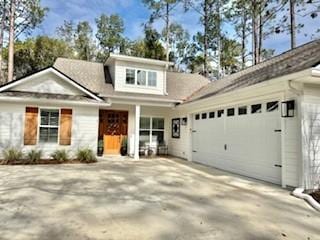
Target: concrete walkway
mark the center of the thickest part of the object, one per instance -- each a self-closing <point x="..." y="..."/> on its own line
<point x="146" y="199"/>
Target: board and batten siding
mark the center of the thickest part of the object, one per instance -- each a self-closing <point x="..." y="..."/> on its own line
<point x="120" y="78"/>
<point x="85" y="122"/>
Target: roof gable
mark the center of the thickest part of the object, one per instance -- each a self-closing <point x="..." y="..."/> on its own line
<point x="49" y="81"/>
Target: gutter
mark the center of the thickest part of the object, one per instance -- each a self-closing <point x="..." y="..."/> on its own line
<point x="53" y="101"/>
<point x="142" y="99"/>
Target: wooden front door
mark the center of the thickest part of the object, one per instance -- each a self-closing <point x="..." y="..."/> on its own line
<point x="113" y="128"/>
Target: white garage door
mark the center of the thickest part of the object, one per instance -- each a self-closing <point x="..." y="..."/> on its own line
<point x="243" y="140"/>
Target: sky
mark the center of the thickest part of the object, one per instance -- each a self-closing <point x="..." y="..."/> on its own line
<point x="134" y="14"/>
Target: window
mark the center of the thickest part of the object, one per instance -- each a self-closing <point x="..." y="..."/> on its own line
<point x="256" y="108"/>
<point x="197" y="117"/>
<point x="151" y="130"/>
<point x="141" y="77"/>
<point x="211" y="115"/>
<point x="272" y="106"/>
<point x="49" y="125"/>
<point x="204" y="115"/>
<point x="220" y="113"/>
<point x="152" y="79"/>
<point x="130" y="76"/>
<point x="230" y="112"/>
<point x="242" y="110"/>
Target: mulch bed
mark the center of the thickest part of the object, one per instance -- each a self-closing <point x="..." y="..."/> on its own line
<point x="43" y="161"/>
<point x="316" y="195"/>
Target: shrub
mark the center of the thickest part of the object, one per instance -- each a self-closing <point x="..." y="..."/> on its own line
<point x="86" y="155"/>
<point x="34" y="156"/>
<point x="12" y="155"/>
<point x="60" y="156"/>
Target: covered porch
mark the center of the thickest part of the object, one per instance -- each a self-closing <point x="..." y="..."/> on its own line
<point x="138" y="129"/>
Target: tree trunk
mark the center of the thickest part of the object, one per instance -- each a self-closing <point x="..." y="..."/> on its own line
<point x="11" y="40"/>
<point x="167" y="32"/>
<point x="243" y="40"/>
<point x="219" y="68"/>
<point x="3" y="17"/>
<point x="260" y="35"/>
<point x="293" y="24"/>
<point x="205" y="24"/>
<point x="255" y="32"/>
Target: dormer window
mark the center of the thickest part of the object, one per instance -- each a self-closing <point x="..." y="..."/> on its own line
<point x="141" y="77"/>
<point x="152" y="79"/>
<point x="130" y="76"/>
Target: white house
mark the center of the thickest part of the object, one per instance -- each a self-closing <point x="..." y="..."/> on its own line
<point x="262" y="122"/>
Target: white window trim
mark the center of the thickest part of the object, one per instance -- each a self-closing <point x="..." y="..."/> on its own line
<point x="136" y="78"/>
<point x="151" y="127"/>
<point x="39" y="125"/>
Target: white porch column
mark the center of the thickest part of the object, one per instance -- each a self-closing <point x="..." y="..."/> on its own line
<point x="137" y="132"/>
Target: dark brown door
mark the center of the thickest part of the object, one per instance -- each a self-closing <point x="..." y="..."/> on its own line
<point x="113" y="128"/>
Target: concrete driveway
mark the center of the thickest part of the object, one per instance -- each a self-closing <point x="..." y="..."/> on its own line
<point x="146" y="199"/>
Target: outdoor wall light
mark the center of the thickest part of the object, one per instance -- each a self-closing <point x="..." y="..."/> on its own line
<point x="287" y="109"/>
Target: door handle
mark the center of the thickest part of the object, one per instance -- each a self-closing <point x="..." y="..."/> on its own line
<point x="278" y="165"/>
<point x="194" y="151"/>
<point x="277" y="130"/>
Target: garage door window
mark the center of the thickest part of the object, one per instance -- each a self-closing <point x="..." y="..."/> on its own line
<point x="256" y="108"/>
<point x="230" y="112"/>
<point x="204" y="116"/>
<point x="197" y="117"/>
<point x="242" y="110"/>
<point x="220" y="113"/>
<point x="272" y="106"/>
<point x="211" y="115"/>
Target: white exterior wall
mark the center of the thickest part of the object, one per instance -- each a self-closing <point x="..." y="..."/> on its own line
<point x="50" y="83"/>
<point x="84" y="128"/>
<point x="120" y="78"/>
<point x="311" y="136"/>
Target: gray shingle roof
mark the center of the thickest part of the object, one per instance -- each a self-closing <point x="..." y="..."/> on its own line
<point x="298" y="59"/>
<point x="92" y="76"/>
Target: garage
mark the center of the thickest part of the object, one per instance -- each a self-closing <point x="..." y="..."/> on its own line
<point x="243" y="139"/>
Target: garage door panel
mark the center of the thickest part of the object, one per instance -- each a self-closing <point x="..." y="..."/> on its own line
<point x="253" y="146"/>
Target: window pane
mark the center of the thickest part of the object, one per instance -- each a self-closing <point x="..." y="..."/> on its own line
<point x="152" y="79"/>
<point x="242" y="110"/>
<point x="204" y="115"/>
<point x="220" y="113"/>
<point x="256" y="108"/>
<point x="141" y="77"/>
<point x="48" y="135"/>
<point x="144" y="137"/>
<point x="157" y="137"/>
<point x="197" y="117"/>
<point x="44" y="117"/>
<point x="272" y="106"/>
<point x="53" y="135"/>
<point x="144" y="123"/>
<point x="157" y="123"/>
<point x="130" y="76"/>
<point x="230" y="112"/>
<point x="211" y="115"/>
<point x="44" y="134"/>
<point x="54" y="118"/>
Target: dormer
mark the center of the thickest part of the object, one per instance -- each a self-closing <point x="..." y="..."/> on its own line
<point x="138" y="75"/>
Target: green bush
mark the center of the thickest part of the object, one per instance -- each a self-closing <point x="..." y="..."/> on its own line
<point x="34" y="156"/>
<point x="12" y="155"/>
<point x="60" y="156"/>
<point x="86" y="155"/>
